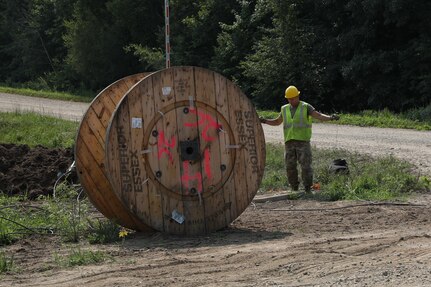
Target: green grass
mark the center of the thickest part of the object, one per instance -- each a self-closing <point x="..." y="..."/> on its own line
<point x="18" y="219"/>
<point x="384" y="178"/>
<point x="6" y="263"/>
<point x="268" y="114"/>
<point x="34" y="129"/>
<point x="103" y="231"/>
<point x="67" y="216"/>
<point x="419" y="119"/>
<point x="383" y="119"/>
<point x="45" y="94"/>
<point x="78" y="257"/>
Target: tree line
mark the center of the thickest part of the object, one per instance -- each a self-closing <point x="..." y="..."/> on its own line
<point x="344" y="55"/>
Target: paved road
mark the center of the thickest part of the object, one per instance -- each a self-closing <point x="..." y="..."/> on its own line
<point x="412" y="145"/>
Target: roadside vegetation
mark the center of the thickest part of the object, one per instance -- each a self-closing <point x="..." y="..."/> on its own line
<point x="383" y="178"/>
<point x="418" y="118"/>
<point x="47" y="94"/>
<point x="33" y="129"/>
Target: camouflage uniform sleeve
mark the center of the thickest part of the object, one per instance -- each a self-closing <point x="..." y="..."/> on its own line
<point x="310" y="109"/>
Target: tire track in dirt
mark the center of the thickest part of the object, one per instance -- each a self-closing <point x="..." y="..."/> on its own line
<point x="374" y="246"/>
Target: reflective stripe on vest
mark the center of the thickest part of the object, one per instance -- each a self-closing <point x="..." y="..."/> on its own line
<point x="297" y="127"/>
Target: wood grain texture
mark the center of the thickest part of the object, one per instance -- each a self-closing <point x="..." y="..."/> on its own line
<point x="90" y="154"/>
<point x="200" y="149"/>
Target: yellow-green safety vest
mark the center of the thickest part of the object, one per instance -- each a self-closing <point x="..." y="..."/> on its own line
<point x="298" y="127"/>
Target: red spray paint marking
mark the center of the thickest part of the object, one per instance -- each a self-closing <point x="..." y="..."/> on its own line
<point x="207" y="121"/>
<point x="165" y="146"/>
<point x="207" y="163"/>
<point x="187" y="177"/>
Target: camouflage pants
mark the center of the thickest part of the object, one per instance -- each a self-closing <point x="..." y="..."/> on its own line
<point x="298" y="151"/>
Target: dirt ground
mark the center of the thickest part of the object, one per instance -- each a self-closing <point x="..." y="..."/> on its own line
<point x="283" y="243"/>
<point x="276" y="243"/>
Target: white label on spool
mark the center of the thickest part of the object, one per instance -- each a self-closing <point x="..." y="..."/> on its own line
<point x="178" y="217"/>
<point x="166" y="91"/>
<point x="136" y="123"/>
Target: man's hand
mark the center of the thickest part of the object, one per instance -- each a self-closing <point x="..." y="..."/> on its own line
<point x="262" y="120"/>
<point x="335" y="117"/>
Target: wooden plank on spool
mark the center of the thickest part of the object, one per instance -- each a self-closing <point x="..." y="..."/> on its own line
<point x="149" y="150"/>
<point x="95" y="179"/>
<point x="139" y="174"/>
<point x="95" y="126"/>
<point x="222" y="106"/>
<point x="211" y="148"/>
<point x="188" y="132"/>
<point x="169" y="161"/>
<point x="90" y="184"/>
<point x="255" y="145"/>
<point x="92" y="132"/>
<point x="236" y="116"/>
<point x="125" y="186"/>
<point x="103" y="108"/>
<point x="196" y="143"/>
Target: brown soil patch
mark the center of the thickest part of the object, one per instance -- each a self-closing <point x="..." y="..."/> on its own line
<point x="31" y="171"/>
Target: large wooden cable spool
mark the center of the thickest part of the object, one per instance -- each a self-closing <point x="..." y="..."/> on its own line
<point x="185" y="151"/>
<point x="90" y="153"/>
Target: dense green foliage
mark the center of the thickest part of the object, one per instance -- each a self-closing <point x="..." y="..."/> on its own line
<point x="344" y="55"/>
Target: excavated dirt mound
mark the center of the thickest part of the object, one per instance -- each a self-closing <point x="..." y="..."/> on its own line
<point x="31" y="171"/>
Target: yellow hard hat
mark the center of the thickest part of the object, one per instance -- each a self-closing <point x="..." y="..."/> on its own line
<point x="291" y="92"/>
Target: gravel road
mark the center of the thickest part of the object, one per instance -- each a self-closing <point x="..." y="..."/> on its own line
<point x="61" y="109"/>
<point x="412" y="145"/>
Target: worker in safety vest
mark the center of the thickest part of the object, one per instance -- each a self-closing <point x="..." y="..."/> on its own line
<point x="296" y="118"/>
